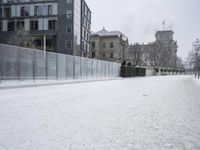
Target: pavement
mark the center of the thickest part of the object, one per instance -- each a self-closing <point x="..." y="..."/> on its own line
<point x="153" y="113"/>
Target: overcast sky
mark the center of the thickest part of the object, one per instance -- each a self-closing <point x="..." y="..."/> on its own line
<point x="140" y="19"/>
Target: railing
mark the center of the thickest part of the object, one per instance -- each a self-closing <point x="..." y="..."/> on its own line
<point x="17" y="63"/>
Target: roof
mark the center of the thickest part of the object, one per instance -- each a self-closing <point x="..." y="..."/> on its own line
<point x="104" y="32"/>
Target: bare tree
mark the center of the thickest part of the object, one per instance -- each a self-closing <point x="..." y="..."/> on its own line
<point x="21" y="38"/>
<point x="180" y="63"/>
<point x="196" y="55"/>
<point x="155" y="55"/>
<point x="190" y="62"/>
<point x="135" y="53"/>
<point x="193" y="58"/>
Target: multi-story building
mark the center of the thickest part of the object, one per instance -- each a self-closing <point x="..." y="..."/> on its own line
<point x="110" y="46"/>
<point x="161" y="53"/>
<point x="61" y="26"/>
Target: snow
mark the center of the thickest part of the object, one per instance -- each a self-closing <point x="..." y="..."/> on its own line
<point x="26" y="83"/>
<point x="197" y="81"/>
<point x="154" y="113"/>
<point x="104" y="32"/>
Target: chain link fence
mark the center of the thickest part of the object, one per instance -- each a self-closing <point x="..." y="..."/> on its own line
<point x="17" y="63"/>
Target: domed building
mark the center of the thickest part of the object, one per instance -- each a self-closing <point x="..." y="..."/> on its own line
<point x="161" y="53"/>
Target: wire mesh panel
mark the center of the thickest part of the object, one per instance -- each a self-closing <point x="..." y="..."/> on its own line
<point x="52" y="65"/>
<point x="40" y="65"/>
<point x="11" y="63"/>
<point x="70" y="67"/>
<point x="114" y="70"/>
<point x="118" y="70"/>
<point x="111" y="70"/>
<point x="95" y="69"/>
<point x="1" y="64"/>
<point x="77" y="67"/>
<point x="90" y="68"/>
<point x="22" y="63"/>
<point x="26" y="63"/>
<point x="99" y="75"/>
<point x="107" y="69"/>
<point x="62" y="66"/>
<point x="84" y="68"/>
<point x="103" y="69"/>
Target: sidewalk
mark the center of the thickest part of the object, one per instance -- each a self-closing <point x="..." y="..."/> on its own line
<point x="29" y="83"/>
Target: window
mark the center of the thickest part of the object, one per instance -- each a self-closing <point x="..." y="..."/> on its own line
<point x="36" y="10"/>
<point x="111" y="45"/>
<point x="7" y="11"/>
<point x="0" y="26"/>
<point x="69" y="29"/>
<point x="11" y="25"/>
<point x="86" y="47"/>
<point x="69" y="14"/>
<point x="52" y="24"/>
<point x="0" y="12"/>
<point x="24" y="11"/>
<point x="87" y="36"/>
<point x="49" y="45"/>
<point x="104" y="45"/>
<point x="111" y="55"/>
<point x="34" y="25"/>
<point x="83" y="45"/>
<point x="83" y="20"/>
<point x="20" y="25"/>
<point x="84" y="34"/>
<point x="93" y="45"/>
<point x="86" y="23"/>
<point x="103" y="55"/>
<point x="69" y="44"/>
<point x="83" y="8"/>
<point x="49" y="10"/>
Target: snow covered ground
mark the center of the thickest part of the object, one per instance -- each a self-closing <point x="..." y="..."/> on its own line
<point x="197" y="81"/>
<point x="154" y="113"/>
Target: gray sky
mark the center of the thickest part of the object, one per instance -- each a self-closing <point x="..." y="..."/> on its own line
<point x="140" y="19"/>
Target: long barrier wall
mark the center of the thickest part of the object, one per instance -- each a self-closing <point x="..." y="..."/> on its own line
<point x="17" y="63"/>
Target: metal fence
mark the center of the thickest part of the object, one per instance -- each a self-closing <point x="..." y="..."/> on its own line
<point x="17" y="63"/>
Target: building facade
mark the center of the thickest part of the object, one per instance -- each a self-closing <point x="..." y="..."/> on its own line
<point x="61" y="26"/>
<point x="109" y="46"/>
<point x="161" y="53"/>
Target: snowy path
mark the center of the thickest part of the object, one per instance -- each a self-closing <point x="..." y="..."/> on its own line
<point x="154" y="113"/>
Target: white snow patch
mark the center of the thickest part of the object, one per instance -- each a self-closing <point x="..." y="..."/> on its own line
<point x="140" y="113"/>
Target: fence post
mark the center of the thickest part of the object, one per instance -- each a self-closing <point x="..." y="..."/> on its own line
<point x="74" y="71"/>
<point x="1" y="64"/>
<point x="96" y="69"/>
<point x="34" y="57"/>
<point x="57" y="66"/>
<point x="19" y="64"/>
<point x="87" y="69"/>
<point x="46" y="66"/>
<point x="66" y="60"/>
<point x="92" y="68"/>
<point x="81" y="69"/>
